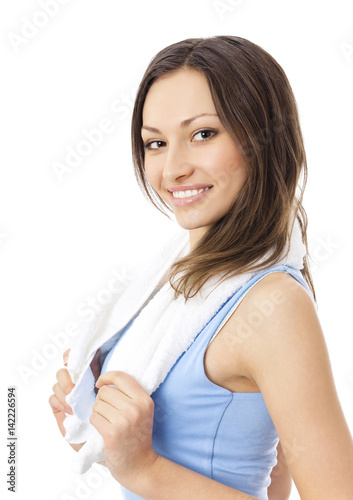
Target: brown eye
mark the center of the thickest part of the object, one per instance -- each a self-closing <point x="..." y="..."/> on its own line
<point x="204" y="135"/>
<point x="153" y="145"/>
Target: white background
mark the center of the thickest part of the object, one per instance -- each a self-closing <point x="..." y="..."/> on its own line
<point x="61" y="241"/>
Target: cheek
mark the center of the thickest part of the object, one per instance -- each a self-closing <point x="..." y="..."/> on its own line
<point x="151" y="174"/>
<point x="228" y="168"/>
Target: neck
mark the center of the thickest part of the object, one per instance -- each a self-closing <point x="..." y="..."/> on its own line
<point x="195" y="235"/>
<point x="297" y="249"/>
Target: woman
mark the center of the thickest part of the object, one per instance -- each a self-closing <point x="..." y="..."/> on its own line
<point x="216" y="137"/>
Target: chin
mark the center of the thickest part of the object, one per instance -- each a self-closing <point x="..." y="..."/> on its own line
<point x="194" y="226"/>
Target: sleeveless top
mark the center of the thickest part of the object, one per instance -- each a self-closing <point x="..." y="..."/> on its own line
<point x="226" y="436"/>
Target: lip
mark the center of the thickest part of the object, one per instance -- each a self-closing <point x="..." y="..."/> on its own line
<point x="182" y="202"/>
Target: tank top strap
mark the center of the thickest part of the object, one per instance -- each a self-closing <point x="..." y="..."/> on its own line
<point x="223" y="314"/>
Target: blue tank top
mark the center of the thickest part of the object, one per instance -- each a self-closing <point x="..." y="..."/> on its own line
<point x="226" y="436"/>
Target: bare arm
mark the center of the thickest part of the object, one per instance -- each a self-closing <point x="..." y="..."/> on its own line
<point x="281" y="481"/>
<point x="166" y="480"/>
<point x="288" y="360"/>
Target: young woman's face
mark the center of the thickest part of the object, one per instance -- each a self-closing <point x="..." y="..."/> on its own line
<point x="188" y="149"/>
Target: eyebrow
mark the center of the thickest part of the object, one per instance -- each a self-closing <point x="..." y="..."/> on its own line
<point x="183" y="124"/>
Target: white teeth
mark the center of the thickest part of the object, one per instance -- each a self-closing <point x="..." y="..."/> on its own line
<point x="187" y="194"/>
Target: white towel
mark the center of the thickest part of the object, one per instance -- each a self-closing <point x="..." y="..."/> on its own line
<point x="161" y="332"/>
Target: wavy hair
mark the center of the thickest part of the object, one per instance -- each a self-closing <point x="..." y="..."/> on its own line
<point x="257" y="107"/>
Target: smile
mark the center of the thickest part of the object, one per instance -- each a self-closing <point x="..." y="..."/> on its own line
<point x="187" y="194"/>
<point x="188" y="197"/>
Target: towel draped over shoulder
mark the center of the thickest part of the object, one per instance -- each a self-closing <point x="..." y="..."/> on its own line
<point x="163" y="328"/>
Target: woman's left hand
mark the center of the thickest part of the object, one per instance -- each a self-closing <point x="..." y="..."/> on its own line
<point x="123" y="416"/>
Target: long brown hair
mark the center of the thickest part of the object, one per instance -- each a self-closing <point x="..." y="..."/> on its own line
<point x="256" y="105"/>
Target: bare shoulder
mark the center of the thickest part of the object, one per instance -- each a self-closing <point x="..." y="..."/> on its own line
<point x="276" y="299"/>
<point x="274" y="318"/>
<point x="259" y="332"/>
<point x="290" y="307"/>
<point x="278" y="291"/>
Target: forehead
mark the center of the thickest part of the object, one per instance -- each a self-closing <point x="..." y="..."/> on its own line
<point x="180" y="95"/>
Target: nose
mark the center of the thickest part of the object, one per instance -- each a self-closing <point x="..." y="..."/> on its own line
<point x="177" y="162"/>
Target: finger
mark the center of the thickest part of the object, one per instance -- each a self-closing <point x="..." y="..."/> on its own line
<point x="58" y="414"/>
<point x="100" y="423"/>
<point x="60" y="395"/>
<point x="106" y="410"/>
<point x="66" y="356"/>
<point x="113" y="396"/>
<point x="122" y="381"/>
<point x="64" y="380"/>
<point x="57" y="405"/>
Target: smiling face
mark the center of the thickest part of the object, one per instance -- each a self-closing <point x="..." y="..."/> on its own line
<point x="187" y="149"/>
